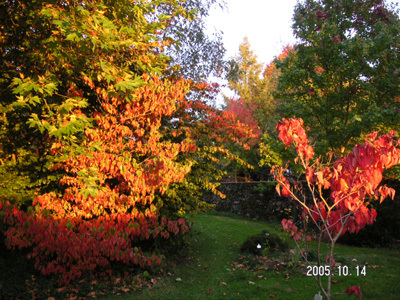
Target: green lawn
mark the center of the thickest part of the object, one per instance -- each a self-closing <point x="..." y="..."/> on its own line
<point x="214" y="269"/>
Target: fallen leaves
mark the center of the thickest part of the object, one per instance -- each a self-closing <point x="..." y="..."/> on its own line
<point x="374" y="266"/>
<point x="336" y="281"/>
<point x="125" y="289"/>
<point x="91" y="294"/>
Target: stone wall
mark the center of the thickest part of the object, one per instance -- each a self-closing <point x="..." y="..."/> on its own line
<point x="256" y="200"/>
<point x="259" y="200"/>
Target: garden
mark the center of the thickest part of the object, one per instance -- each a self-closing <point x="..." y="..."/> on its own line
<point x="111" y="137"/>
<point x="212" y="266"/>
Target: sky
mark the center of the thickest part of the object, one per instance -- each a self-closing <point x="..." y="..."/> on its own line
<point x="266" y="23"/>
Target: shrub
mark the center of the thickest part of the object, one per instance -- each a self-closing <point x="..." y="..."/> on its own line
<point x="269" y="243"/>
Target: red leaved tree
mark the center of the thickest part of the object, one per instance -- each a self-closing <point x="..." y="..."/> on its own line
<point x="243" y="111"/>
<point x="353" y="180"/>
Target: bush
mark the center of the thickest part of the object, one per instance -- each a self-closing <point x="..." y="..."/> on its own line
<point x="269" y="243"/>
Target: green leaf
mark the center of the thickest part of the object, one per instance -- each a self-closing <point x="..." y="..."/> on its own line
<point x="72" y="37"/>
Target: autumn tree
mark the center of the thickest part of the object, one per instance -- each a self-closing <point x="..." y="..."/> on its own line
<point x="244" y="75"/>
<point x="340" y="192"/>
<point x="256" y="85"/>
<point x="254" y="100"/>
<point x="182" y="26"/>
<point x="268" y="112"/>
<point x="244" y="79"/>
<point x="197" y="56"/>
<point x="86" y="88"/>
<point x="243" y="112"/>
<point x="217" y="134"/>
<point x="343" y="77"/>
<point x="82" y="101"/>
<point x="46" y="62"/>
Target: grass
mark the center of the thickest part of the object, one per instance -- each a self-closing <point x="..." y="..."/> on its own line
<point x="214" y="269"/>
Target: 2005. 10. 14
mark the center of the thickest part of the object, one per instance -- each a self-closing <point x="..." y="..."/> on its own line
<point x="323" y="270"/>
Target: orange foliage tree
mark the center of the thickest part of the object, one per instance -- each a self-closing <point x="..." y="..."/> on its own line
<point x="213" y="131"/>
<point x="105" y="102"/>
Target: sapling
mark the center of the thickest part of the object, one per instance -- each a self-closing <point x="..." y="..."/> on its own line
<point x="352" y="181"/>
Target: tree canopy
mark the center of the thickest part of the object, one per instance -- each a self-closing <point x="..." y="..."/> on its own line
<point x="343" y="76"/>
